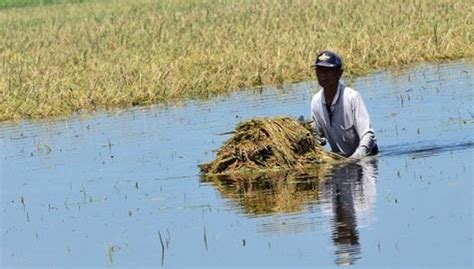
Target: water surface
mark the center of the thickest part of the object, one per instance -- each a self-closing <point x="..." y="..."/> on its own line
<point x="123" y="189"/>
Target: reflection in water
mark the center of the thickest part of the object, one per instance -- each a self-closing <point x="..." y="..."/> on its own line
<point x="270" y="193"/>
<point x="349" y="193"/>
<point x="345" y="194"/>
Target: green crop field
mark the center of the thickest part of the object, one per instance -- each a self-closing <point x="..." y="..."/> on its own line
<point x="56" y="59"/>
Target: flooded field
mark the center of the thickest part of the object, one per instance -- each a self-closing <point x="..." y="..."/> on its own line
<point x="123" y="189"/>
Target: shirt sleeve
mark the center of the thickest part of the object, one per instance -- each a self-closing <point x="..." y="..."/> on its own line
<point x="315" y="124"/>
<point x="362" y="124"/>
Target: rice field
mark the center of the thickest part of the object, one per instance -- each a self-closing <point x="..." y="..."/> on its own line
<point x="56" y="60"/>
<point x="7" y="4"/>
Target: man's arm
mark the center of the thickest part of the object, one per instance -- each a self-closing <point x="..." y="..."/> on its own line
<point x="319" y="136"/>
<point x="363" y="128"/>
<point x="317" y="126"/>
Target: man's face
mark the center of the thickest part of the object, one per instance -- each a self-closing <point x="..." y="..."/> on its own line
<point x="328" y="77"/>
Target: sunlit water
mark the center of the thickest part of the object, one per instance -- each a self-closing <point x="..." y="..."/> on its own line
<point x="124" y="189"/>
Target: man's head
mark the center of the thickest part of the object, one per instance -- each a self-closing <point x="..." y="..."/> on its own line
<point x="328" y="67"/>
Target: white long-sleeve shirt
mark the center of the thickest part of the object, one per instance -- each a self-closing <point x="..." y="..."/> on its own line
<point x="347" y="125"/>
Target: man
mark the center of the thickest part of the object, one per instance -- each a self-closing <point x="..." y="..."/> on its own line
<point x="338" y="113"/>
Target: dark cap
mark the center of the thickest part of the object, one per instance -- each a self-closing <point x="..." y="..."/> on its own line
<point x="328" y="59"/>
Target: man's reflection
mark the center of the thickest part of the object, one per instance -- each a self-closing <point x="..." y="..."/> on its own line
<point x="346" y="193"/>
<point x="349" y="195"/>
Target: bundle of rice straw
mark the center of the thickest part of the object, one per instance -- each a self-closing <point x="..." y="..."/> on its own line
<point x="269" y="144"/>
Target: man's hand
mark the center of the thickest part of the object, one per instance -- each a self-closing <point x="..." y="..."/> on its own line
<point x="360" y="153"/>
<point x="320" y="140"/>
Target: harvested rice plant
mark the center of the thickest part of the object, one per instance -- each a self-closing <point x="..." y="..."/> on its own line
<point x="270" y="165"/>
<point x="269" y="145"/>
<point x="58" y="59"/>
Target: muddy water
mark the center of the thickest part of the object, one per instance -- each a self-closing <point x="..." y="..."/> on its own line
<point x="123" y="189"/>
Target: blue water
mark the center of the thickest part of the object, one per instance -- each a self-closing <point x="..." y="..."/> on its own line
<point x="99" y="190"/>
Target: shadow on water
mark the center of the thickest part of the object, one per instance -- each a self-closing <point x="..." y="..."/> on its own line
<point x="346" y="192"/>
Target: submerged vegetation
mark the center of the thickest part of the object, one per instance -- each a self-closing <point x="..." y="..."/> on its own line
<point x="269" y="145"/>
<point x="60" y="59"/>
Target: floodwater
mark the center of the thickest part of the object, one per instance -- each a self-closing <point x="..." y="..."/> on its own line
<point x="123" y="189"/>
